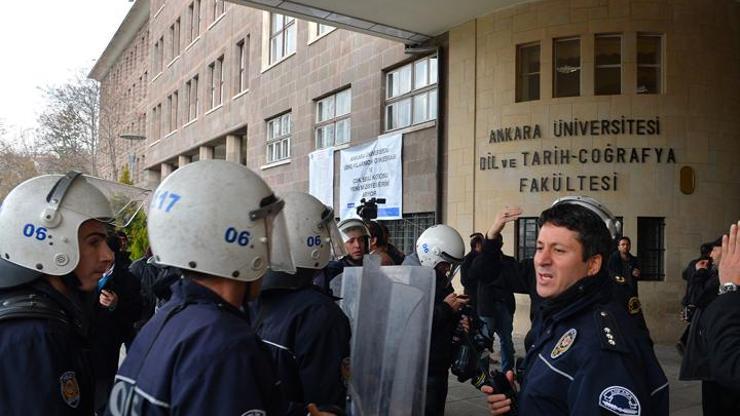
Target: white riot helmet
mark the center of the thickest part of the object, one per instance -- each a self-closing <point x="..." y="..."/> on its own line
<point x="312" y="231"/>
<point x="611" y="222"/>
<point x="349" y="224"/>
<point x="218" y="218"/>
<point x="440" y="243"/>
<point x="40" y="219"/>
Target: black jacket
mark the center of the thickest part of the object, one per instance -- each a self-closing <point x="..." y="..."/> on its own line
<point x="444" y="321"/>
<point x="617" y="267"/>
<point x="468" y="279"/>
<point x="702" y="292"/>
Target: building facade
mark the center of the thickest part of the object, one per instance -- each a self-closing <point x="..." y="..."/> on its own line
<point x="634" y="103"/>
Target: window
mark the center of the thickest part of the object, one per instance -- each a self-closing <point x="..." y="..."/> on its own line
<point x="191" y="99"/>
<point x="159" y="54"/>
<point x="323" y="29"/>
<point x="216" y="78"/>
<point x="242" y="65"/>
<point x="173" y="117"/>
<point x="157" y="121"/>
<point x="525" y="237"/>
<point x="282" y="36"/>
<point x="411" y="94"/>
<point x="217" y="9"/>
<point x="168" y="126"/>
<point x="175" y="37"/>
<point x="333" y="123"/>
<point x="278" y="138"/>
<point x="194" y="15"/>
<point x="651" y="247"/>
<point x="649" y="60"/>
<point x="567" y="68"/>
<point x="608" y="65"/>
<point x="528" y="72"/>
<point x="404" y="233"/>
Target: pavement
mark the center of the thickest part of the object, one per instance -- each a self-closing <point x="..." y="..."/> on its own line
<point x="685" y="396"/>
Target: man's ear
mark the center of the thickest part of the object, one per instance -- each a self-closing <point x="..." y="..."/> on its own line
<point x="594" y="264"/>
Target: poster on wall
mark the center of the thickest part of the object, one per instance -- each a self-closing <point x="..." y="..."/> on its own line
<point x="321" y="175"/>
<point x="372" y="170"/>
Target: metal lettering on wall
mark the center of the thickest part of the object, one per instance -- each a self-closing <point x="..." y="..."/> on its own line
<point x="556" y="156"/>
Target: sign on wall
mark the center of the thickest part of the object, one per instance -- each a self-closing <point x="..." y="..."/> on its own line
<point x="372" y="170"/>
<point x="321" y="175"/>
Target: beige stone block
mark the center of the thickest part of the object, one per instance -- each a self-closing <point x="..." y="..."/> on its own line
<point x="650" y="10"/>
<point x="524" y="21"/>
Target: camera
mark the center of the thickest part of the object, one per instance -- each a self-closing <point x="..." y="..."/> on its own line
<point x="368" y="209"/>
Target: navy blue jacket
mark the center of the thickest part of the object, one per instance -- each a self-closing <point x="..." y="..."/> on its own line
<point x="197" y="356"/>
<point x="590" y="357"/>
<point x="44" y="361"/>
<point x="308" y="336"/>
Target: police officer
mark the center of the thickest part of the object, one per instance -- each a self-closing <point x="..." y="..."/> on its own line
<point x="588" y="355"/>
<point x="441" y="248"/>
<point x="52" y="242"/>
<point x="356" y="238"/>
<point x="198" y="355"/>
<point x="306" y="332"/>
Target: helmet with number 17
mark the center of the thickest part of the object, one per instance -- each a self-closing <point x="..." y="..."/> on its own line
<point x="218" y="218"/>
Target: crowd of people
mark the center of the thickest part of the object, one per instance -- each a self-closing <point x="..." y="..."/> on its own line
<point x="233" y="309"/>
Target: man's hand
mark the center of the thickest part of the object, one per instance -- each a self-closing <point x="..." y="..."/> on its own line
<point x="109" y="299"/>
<point x="498" y="404"/>
<point x="729" y="263"/>
<point x="464" y="324"/>
<point x="702" y="264"/>
<point x="456" y="302"/>
<point x="314" y="411"/>
<point x="502" y="217"/>
<point x="636" y="272"/>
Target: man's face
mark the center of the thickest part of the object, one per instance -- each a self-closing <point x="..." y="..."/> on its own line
<point x="95" y="255"/>
<point x="355" y="245"/>
<point x="624" y="246"/>
<point x="716" y="254"/>
<point x="558" y="261"/>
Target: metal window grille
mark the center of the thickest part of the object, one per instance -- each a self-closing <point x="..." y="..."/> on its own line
<point x="525" y="237"/>
<point x="404" y="232"/>
<point x="651" y="247"/>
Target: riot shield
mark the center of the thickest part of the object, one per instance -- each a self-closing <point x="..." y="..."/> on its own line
<point x="390" y="342"/>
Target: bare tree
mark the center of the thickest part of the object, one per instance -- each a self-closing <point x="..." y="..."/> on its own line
<point x="68" y="126"/>
<point x="16" y="164"/>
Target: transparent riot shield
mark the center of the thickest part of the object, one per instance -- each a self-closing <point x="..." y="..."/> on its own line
<point x="390" y="339"/>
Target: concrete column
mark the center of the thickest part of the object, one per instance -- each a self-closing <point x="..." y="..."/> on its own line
<point x="233" y="148"/>
<point x="152" y="178"/>
<point x="182" y="160"/>
<point x="205" y="153"/>
<point x="165" y="169"/>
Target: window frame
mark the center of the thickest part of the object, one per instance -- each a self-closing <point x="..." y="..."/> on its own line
<point x="659" y="66"/>
<point x="216" y="7"/>
<point x="392" y="101"/>
<point x="194" y="18"/>
<point x="282" y="33"/>
<point x="520" y="75"/>
<point x="280" y="141"/>
<point x="242" y="65"/>
<point x="652" y="257"/>
<point x="175" y="38"/>
<point x="608" y="66"/>
<point x="333" y="120"/>
<point x="191" y="92"/>
<point x="555" y="70"/>
<point x="216" y="83"/>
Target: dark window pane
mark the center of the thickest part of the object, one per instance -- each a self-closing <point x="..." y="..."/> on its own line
<point x="608" y="81"/>
<point x="526" y="237"/>
<point x="648" y="50"/>
<point x="608" y="50"/>
<point x="648" y="80"/>
<point x="567" y="75"/>
<point x="651" y="247"/>
<point x="528" y="73"/>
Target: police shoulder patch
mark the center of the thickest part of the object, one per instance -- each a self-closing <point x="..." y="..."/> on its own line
<point x="619" y="401"/>
<point x="70" y="389"/>
<point x="564" y="343"/>
<point x="633" y="305"/>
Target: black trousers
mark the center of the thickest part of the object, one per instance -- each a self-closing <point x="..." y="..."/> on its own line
<point x="717" y="400"/>
<point x="436" y="394"/>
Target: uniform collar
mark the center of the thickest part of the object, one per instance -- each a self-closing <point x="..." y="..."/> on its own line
<point x="186" y="291"/>
<point x="582" y="294"/>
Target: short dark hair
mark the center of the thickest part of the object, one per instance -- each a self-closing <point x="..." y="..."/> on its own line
<point x="476" y="238"/>
<point x="624" y="237"/>
<point x="592" y="232"/>
<point x="376" y="231"/>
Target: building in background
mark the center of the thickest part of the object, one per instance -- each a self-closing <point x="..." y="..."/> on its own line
<point x="632" y="102"/>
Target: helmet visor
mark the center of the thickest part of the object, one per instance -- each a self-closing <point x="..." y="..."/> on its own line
<point x="335" y="237"/>
<point x="115" y="204"/>
<point x="454" y="261"/>
<point x="278" y="242"/>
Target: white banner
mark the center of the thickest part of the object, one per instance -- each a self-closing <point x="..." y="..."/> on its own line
<point x="372" y="170"/>
<point x="321" y="175"/>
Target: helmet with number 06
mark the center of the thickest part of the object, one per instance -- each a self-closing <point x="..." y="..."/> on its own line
<point x="218" y="218"/>
<point x="40" y="219"/>
<point x="312" y="231"/>
<point x="440" y="243"/>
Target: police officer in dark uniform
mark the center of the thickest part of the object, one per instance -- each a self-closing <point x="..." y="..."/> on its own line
<point x="52" y="239"/>
<point x="588" y="355"/>
<point x="198" y="355"/>
<point x="356" y="244"/>
<point x="306" y="332"/>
